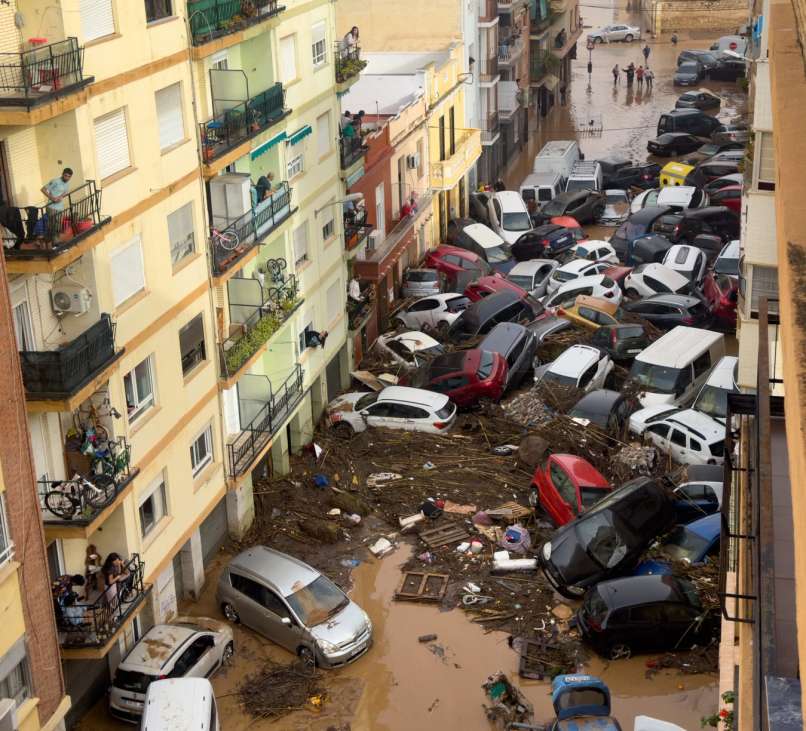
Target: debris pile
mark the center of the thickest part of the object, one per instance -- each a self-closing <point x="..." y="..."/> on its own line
<point x="276" y="690"/>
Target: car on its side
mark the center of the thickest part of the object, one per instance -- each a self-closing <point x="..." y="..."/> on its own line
<point x="452" y="261"/>
<point x="485" y="286"/>
<point x="615" y="32"/>
<point x="672" y="144"/>
<point x="545" y="240"/>
<point x="707" y="59"/>
<point x="595" y="250"/>
<point x="565" y="486"/>
<point x="516" y="344"/>
<point x="617" y="207"/>
<point x="591" y="312"/>
<point x="482" y="241"/>
<point x="575" y="269"/>
<point x="188" y="647"/>
<point x="533" y="275"/>
<point x="728" y="69"/>
<point x="621" y="342"/>
<point x="465" y="376"/>
<point x="700" y="99"/>
<point x="648" y="279"/>
<point x="689" y="73"/>
<point x="292" y="604"/>
<point x="593" y="285"/>
<point x="667" y="311"/>
<point x="606" y="409"/>
<point x="730" y="196"/>
<point x="583" y="205"/>
<point x="687" y="435"/>
<point x="420" y="282"/>
<point x="722" y="294"/>
<point x="609" y="538"/>
<point x="411" y="349"/>
<point x="713" y="396"/>
<point x="395" y="407"/>
<point x="580" y="366"/>
<point x="436" y="312"/>
<point x="637" y="225"/>
<point x="686" y="260"/>
<point x="694" y="543"/>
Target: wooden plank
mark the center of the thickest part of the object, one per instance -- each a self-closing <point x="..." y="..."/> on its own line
<point x="510" y="510"/>
<point x="534" y="664"/>
<point x="420" y="586"/>
<point x="435" y="537"/>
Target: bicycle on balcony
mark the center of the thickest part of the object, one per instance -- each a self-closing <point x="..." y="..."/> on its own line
<point x="227" y="240"/>
<point x="79" y="495"/>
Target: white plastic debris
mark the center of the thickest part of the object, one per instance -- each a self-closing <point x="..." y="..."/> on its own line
<point x="381" y="547"/>
<point x="376" y="478"/>
<point x="336" y="512"/>
<point x="515" y="564"/>
<point x="501" y="556"/>
<point x="462" y="547"/>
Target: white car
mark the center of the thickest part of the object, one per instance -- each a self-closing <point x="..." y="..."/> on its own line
<point x="437" y="311"/>
<point x="615" y="32"/>
<point x="395" y="407"/>
<point x="686" y="260"/>
<point x="508" y="214"/>
<point x="410" y="349"/>
<point x="689" y="436"/>
<point x="727" y="262"/>
<point x="580" y="366"/>
<point x="533" y="275"/>
<point x="595" y="285"/>
<point x="713" y="396"/>
<point x="648" y="279"/>
<point x="617" y="207"/>
<point x="595" y="250"/>
<point x="189" y="647"/>
<point x="678" y="197"/>
<point x="575" y="269"/>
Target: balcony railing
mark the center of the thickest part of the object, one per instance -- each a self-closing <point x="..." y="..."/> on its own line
<point x="210" y="19"/>
<point x="488" y="11"/>
<point x="278" y="305"/>
<point x="38" y="232"/>
<point x="488" y="68"/>
<point x="256" y="435"/>
<point x="491" y="128"/>
<point x="46" y="72"/>
<point x="358" y="313"/>
<point x="58" y="374"/>
<point x="351" y="150"/>
<point x="93" y="623"/>
<point x="240" y="123"/>
<point x="510" y="52"/>
<point x="446" y="173"/>
<point x="231" y="244"/>
<point x="356" y="229"/>
<point x="348" y="62"/>
<point x="538" y="25"/>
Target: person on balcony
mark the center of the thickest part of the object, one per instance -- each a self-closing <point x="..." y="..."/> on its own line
<point x="92" y="570"/>
<point x="350" y="42"/>
<point x="117" y="579"/>
<point x="349" y="133"/>
<point x="354" y="291"/>
<point x="345" y="119"/>
<point x="56" y="189"/>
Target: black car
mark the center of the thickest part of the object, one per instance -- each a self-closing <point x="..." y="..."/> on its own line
<point x="516" y="344"/>
<point x="670" y="144"/>
<point x="637" y="225"/>
<point x="633" y="176"/>
<point x="698" y="100"/>
<point x="692" y="222"/>
<point x="544" y="241"/>
<point x="693" y="121"/>
<point x="621" y="342"/>
<point x="689" y="73"/>
<point x="636" y="614"/>
<point x="478" y="318"/>
<point x="710" y="170"/>
<point x="647" y="249"/>
<point x="706" y="59"/>
<point x="584" y="205"/>
<point x="670" y="310"/>
<point x="609" y="538"/>
<point x="609" y="410"/>
<point x="728" y="69"/>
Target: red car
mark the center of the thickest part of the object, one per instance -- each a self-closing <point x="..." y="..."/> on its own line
<point x="618" y="274"/>
<point x="466" y="376"/>
<point x="483" y="286"/>
<point x="722" y="293"/>
<point x="566" y="486"/>
<point x="730" y="196"/>
<point x="571" y="223"/>
<point x="452" y="261"/>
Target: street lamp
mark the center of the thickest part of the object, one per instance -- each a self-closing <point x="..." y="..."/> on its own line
<point x="349" y="198"/>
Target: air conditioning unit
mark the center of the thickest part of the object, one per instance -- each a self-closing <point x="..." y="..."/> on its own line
<point x="70" y="298"/>
<point x="8" y="715"/>
<point x="375" y="237"/>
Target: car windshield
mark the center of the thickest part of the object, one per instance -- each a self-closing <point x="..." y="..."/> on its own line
<point x="690" y="67"/>
<point x="558" y="378"/>
<point x="496" y="254"/>
<point x="616" y="197"/>
<point x="591" y="495"/>
<point x="581" y="184"/>
<point x="601" y="539"/>
<point x="316" y="602"/>
<point x="633" y="230"/>
<point x="684" y="545"/>
<point x="132" y="680"/>
<point x="564" y="275"/>
<point x="456" y="304"/>
<point x="516" y="221"/>
<point x="522" y="281"/>
<point x="555" y="207"/>
<point x="366" y="401"/>
<point x="726" y="265"/>
<point x="485" y="365"/>
<point x="658" y="378"/>
<point x="713" y="401"/>
<point x="595" y="606"/>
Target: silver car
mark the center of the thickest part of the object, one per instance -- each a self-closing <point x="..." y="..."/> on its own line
<point x="295" y="606"/>
<point x="420" y="283"/>
<point x="615" y="32"/>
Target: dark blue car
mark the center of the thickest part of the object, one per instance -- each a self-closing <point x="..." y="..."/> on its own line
<point x="581" y="702"/>
<point x="693" y="543"/>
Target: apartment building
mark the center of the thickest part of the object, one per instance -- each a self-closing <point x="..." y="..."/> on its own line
<point x="163" y="365"/>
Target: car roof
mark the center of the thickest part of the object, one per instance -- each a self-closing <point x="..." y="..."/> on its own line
<point x="676" y="195"/>
<point x="731" y="250"/>
<point x="705" y="473"/>
<point x="673" y="135"/>
<point x="524" y="268"/>
<point x="636" y="590"/>
<point x="648" y="214"/>
<point x="413" y="339"/>
<point x="156" y="648"/>
<point x="574" y="360"/>
<point x="570" y="195"/>
<point x="410" y="395"/>
<point x="455" y="362"/>
<point x="510" y="200"/>
<point x="685" y="113"/>
<point x="696" y="421"/>
<point x="596" y="303"/>
<point x="677" y="300"/>
<point x="483" y="235"/>
<point x="494" y="302"/>
<point x="444" y="249"/>
<point x="600" y="401"/>
<point x="591" y="279"/>
<point x="179" y="704"/>
<point x="689" y="251"/>
<point x="589" y="244"/>
<point x="443" y="297"/>
<point x="665" y="273"/>
<point x="286" y="573"/>
<point x="683" y="339"/>
<point x="708" y="527"/>
<point x="502" y="336"/>
<point x="580" y="470"/>
<point x="575" y="266"/>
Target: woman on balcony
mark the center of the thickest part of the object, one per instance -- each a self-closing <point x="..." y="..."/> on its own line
<point x="117" y="579"/>
<point x="350" y="42"/>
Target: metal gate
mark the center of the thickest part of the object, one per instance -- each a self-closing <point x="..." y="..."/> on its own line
<point x="214" y="530"/>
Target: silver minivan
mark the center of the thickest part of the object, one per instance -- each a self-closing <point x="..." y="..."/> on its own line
<point x="295" y="606"/>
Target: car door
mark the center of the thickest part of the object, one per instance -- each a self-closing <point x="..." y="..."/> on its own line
<point x="246" y="597"/>
<point x="678" y="445"/>
<point x="494" y="210"/>
<point x="695" y="501"/>
<point x="646" y="628"/>
<point x="678" y="626"/>
<point x="586" y="380"/>
<point x="421" y="313"/>
<point x="560" y="495"/>
<point x="658" y="434"/>
<point x="414" y="417"/>
<point x="189" y="664"/>
<point x="600" y="374"/>
<point x="382" y="415"/>
<point x="697" y="452"/>
<point x="273" y="611"/>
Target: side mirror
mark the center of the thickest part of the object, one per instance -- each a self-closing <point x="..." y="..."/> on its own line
<point x="286" y="621"/>
<point x="364" y="413"/>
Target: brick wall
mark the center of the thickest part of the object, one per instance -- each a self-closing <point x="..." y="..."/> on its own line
<point x="692" y="15"/>
<point x="25" y="519"/>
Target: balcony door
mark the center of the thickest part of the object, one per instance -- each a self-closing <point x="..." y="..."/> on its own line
<point x="442" y="137"/>
<point x="380" y="214"/>
<point x="6" y="199"/>
<point x="452" y="128"/>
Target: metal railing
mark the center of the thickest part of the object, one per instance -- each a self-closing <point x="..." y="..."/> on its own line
<point x="279" y="303"/>
<point x="488" y="68"/>
<point x="356" y="229"/>
<point x="46" y="233"/>
<point x="250" y="229"/>
<point x="358" y="313"/>
<point x="211" y="19"/>
<point x="61" y="373"/>
<point x="350" y="151"/>
<point x="348" y="62"/>
<point x="44" y="72"/>
<point x="491" y="127"/>
<point x="256" y="435"/>
<point x="92" y="624"/>
<point x="242" y="122"/>
<point x="509" y="52"/>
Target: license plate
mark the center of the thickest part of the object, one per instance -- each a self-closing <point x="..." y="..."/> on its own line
<point x="633" y="351"/>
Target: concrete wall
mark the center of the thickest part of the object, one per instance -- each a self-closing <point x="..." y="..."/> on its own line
<point x="689" y="15"/>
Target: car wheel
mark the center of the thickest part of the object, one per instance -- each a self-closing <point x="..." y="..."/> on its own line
<point x="632" y="293"/>
<point x="598" y="39"/>
<point x="230" y="613"/>
<point x="229" y="651"/>
<point x="343" y="430"/>
<point x="306" y="655"/>
<point x="619" y="651"/>
<point x="628" y="38"/>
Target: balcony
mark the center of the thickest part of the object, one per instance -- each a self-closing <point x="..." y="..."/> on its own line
<point x="65" y="374"/>
<point x="230" y="246"/>
<point x="491" y="129"/>
<point x="564" y="41"/>
<point x="46" y="240"/>
<point x="509" y="53"/>
<point x="88" y="628"/>
<point x="214" y="19"/>
<point x="348" y="66"/>
<point x="356" y="229"/>
<point x="510" y="98"/>
<point x="358" y="313"/>
<point x="488" y="70"/>
<point x="351" y="150"/>
<point x="257" y="323"/>
<point x="242" y="122"/>
<point x="248" y="446"/>
<point x="445" y="175"/>
<point x="488" y="11"/>
<point x="538" y="26"/>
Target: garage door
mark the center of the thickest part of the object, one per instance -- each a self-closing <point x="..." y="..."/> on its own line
<point x="333" y="374"/>
<point x="214" y="530"/>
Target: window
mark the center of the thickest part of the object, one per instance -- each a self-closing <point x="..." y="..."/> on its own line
<point x="765" y="172"/>
<point x="23" y="328"/>
<point x="169" y="116"/>
<point x="138" y="385"/>
<point x="565" y="488"/>
<point x="318" y="43"/>
<point x="15" y="675"/>
<point x="702" y="364"/>
<point x="323" y="137"/>
<point x="191" y="344"/>
<point x="247" y="587"/>
<point x="301" y="244"/>
<point x="181" y="233"/>
<point x="333" y="297"/>
<point x="220" y="61"/>
<point x="153" y="506"/>
<point x="303" y="336"/>
<point x="328" y="230"/>
<point x="420" y="159"/>
<point x="274" y="604"/>
<point x="764" y="283"/>
<point x="157" y="9"/>
<point x="201" y="451"/>
<point x="6" y="544"/>
<point x="190" y="657"/>
<point x="126" y="266"/>
<point x="295" y="167"/>
<point x="112" y="143"/>
<point x="678" y="438"/>
<point x="288" y="59"/>
<point x="97" y="19"/>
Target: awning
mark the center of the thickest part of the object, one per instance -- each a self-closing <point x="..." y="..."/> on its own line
<point x="355" y="177"/>
<point x="550" y="81"/>
<point x="299" y="135"/>
<point x="267" y="145"/>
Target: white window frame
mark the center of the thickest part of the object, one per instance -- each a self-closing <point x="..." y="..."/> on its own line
<point x="23" y="325"/>
<point x="120" y="294"/>
<point x="120" y="120"/>
<point x="6" y="544"/>
<point x="296" y="166"/>
<point x="324" y="137"/>
<point x="288" y="73"/>
<point x="183" y="244"/>
<point x="159" y="485"/>
<point x="329" y="229"/>
<point x="173" y="92"/>
<point x="142" y="402"/>
<point x="15" y="661"/>
<point x="300" y="255"/>
<point x="197" y="461"/>
<point x="220" y="61"/>
<point x="203" y="359"/>
<point x="319" y="44"/>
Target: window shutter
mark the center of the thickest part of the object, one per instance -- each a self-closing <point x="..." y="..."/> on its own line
<point x="169" y="114"/>
<point x="126" y="265"/>
<point x="288" y="60"/>
<point x="232" y="412"/>
<point x="318" y="32"/>
<point x="766" y="158"/>
<point x="301" y="243"/>
<point x="180" y="232"/>
<point x="333" y="298"/>
<point x="112" y="143"/>
<point x="764" y="283"/>
<point x="323" y="134"/>
<point x="97" y="19"/>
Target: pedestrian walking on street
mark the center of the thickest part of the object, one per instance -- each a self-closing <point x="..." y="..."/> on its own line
<point x="649" y="77"/>
<point x="646" y="51"/>
<point x="639" y="74"/>
<point x="674" y="39"/>
<point x="630" y="71"/>
<point x="616" y="72"/>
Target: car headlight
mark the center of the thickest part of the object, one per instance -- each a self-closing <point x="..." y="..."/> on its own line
<point x="547" y="550"/>
<point x="369" y="622"/>
<point x="575" y="590"/>
<point x="327" y="647"/>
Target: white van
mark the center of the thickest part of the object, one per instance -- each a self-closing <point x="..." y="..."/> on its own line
<point x="584" y="175"/>
<point x="541" y="187"/>
<point x="673" y="368"/>
<point x="713" y="396"/>
<point x="557" y="156"/>
<point x="180" y="704"/>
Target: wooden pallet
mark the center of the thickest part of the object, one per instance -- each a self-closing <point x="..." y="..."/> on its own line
<point x="420" y="586"/>
<point x="509" y="511"/>
<point x="447" y="533"/>
<point x="534" y="662"/>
